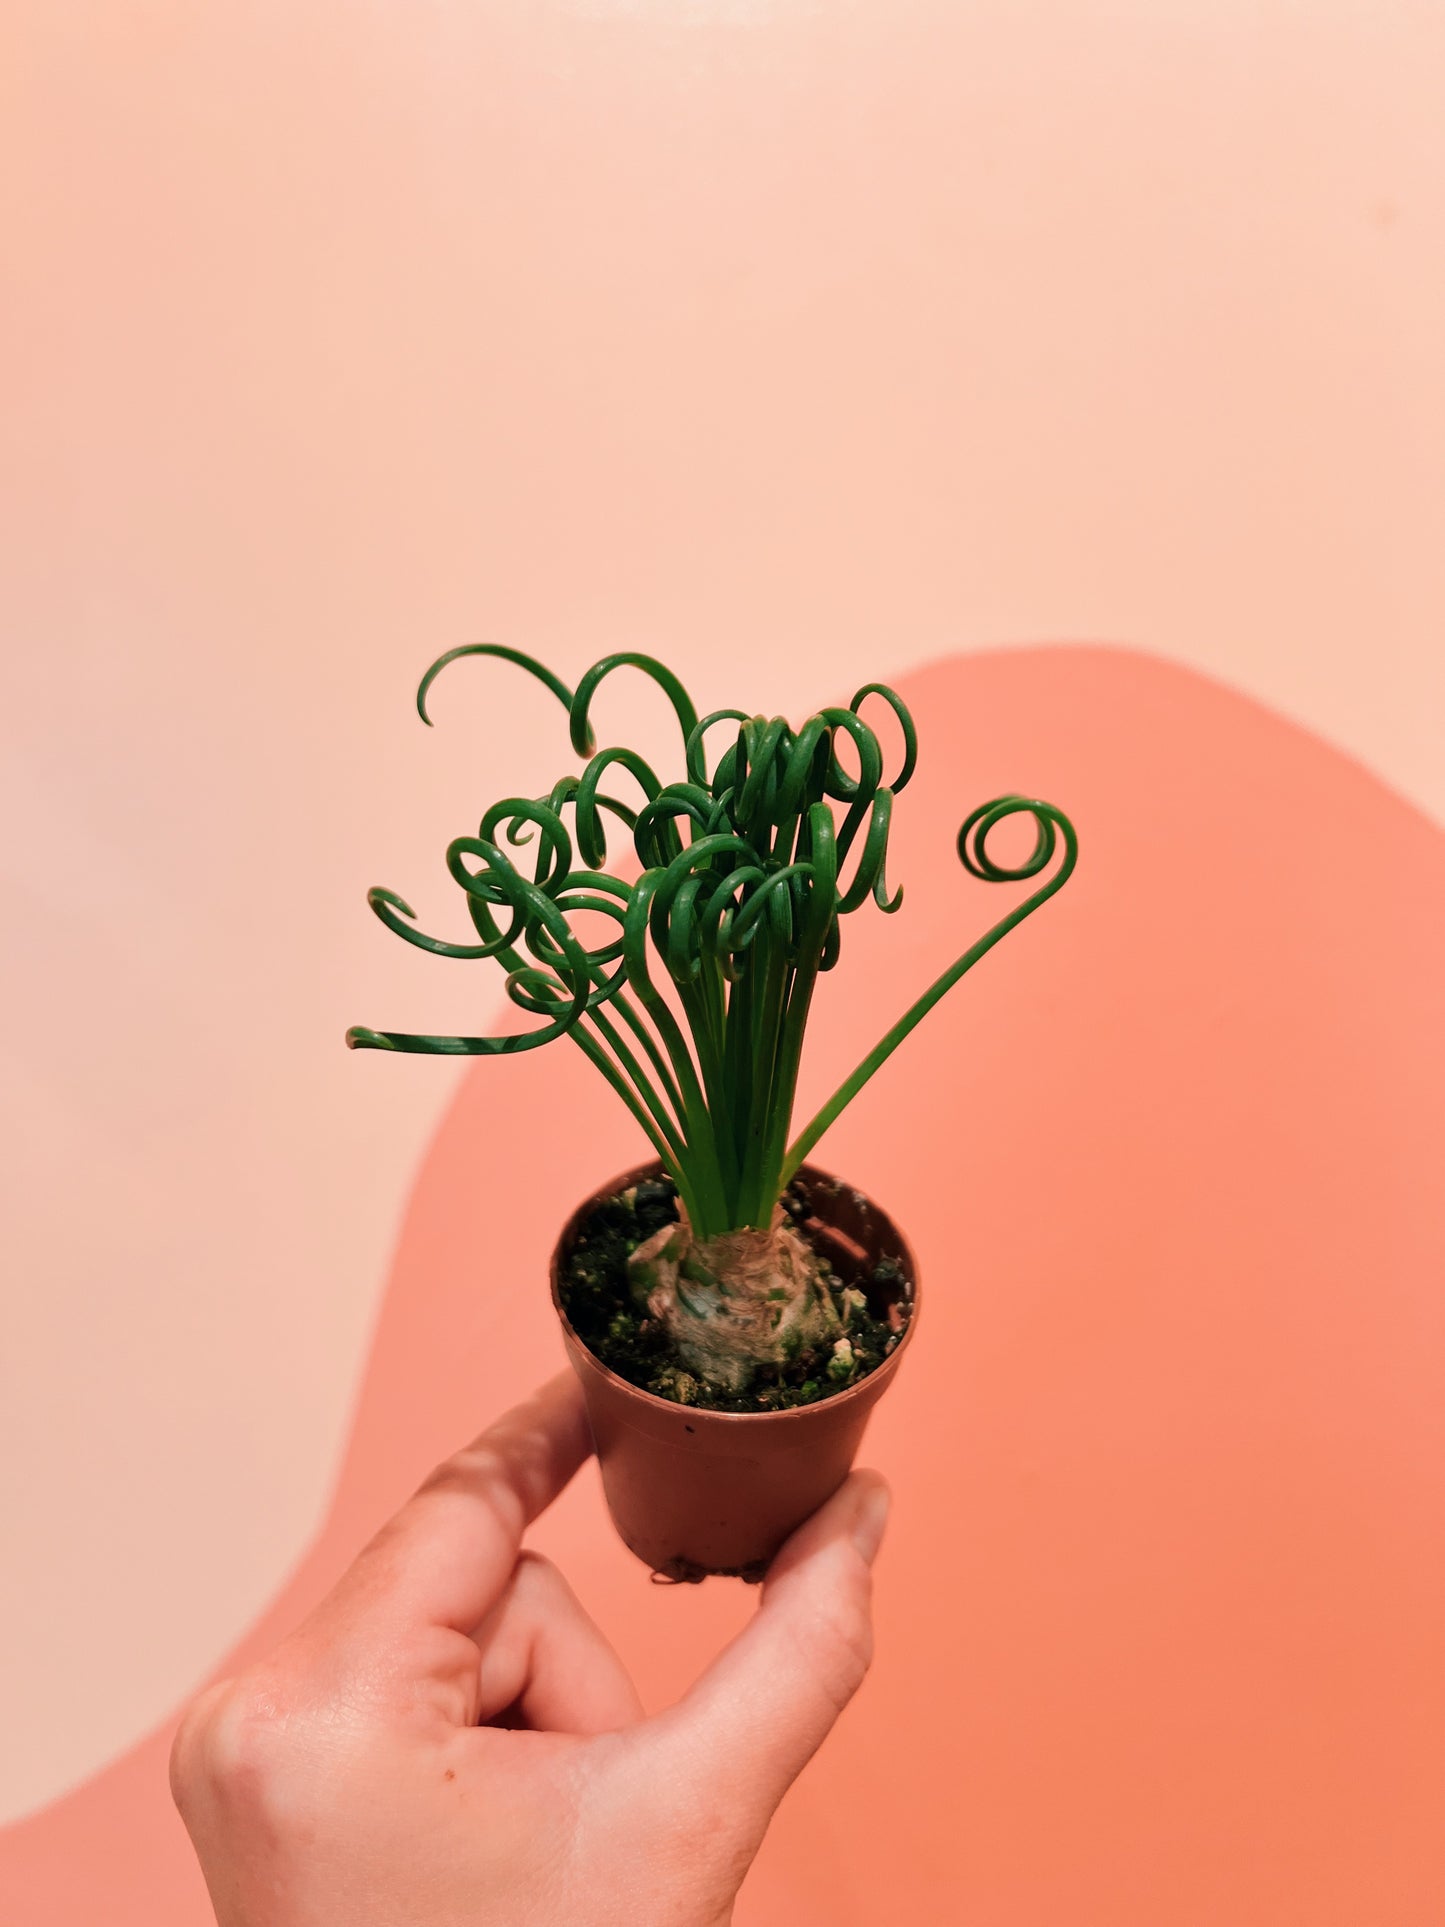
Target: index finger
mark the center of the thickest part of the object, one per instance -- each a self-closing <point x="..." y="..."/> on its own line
<point x="445" y="1557"/>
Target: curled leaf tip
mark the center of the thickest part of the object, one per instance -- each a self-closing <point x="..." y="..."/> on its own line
<point x="360" y="1038"/>
<point x="523" y="661"/>
<point x="379" y="894"/>
<point x="1050" y="826"/>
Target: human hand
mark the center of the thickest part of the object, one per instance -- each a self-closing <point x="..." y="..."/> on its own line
<point x="449" y="1741"/>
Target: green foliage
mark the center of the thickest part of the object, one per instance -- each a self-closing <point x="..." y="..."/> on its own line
<point x="747" y="871"/>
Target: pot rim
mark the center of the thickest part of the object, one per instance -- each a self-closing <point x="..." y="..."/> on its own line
<point x="872" y="1383"/>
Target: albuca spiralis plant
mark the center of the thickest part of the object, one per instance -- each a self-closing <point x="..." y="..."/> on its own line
<point x="694" y="1003"/>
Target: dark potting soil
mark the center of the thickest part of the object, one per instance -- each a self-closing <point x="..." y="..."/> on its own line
<point x="597" y="1298"/>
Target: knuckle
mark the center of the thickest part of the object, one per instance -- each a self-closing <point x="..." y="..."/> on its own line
<point x="462" y="1471"/>
<point x="231" y="1741"/>
<point x="189" y="1746"/>
<point x="478" y="1473"/>
<point x="443" y="1477"/>
<point x="843" y="1644"/>
<point x="536" y="1572"/>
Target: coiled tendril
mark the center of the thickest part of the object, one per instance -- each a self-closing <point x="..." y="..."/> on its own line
<point x="746" y="873"/>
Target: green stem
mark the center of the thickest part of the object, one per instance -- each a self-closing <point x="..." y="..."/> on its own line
<point x="982" y="820"/>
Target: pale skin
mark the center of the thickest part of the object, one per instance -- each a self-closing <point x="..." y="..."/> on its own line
<point x="450" y="1741"/>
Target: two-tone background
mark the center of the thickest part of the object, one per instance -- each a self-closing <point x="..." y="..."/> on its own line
<point x="1077" y="365"/>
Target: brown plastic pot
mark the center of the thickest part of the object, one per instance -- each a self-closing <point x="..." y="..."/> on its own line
<point x="694" y="1492"/>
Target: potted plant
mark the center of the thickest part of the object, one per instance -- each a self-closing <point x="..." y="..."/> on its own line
<point x="732" y="1311"/>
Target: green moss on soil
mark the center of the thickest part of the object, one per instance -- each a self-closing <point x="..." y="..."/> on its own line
<point x="597" y="1297"/>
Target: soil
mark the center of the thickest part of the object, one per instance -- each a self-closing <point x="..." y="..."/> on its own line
<point x="596" y="1295"/>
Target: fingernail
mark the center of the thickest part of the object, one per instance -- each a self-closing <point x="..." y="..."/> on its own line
<point x="869" y="1521"/>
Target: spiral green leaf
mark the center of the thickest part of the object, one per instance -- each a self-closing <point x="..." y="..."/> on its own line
<point x="739" y="902"/>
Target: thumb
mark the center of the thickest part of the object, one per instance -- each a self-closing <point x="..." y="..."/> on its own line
<point x="739" y="1739"/>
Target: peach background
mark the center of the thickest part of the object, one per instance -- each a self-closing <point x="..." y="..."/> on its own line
<point x="799" y="343"/>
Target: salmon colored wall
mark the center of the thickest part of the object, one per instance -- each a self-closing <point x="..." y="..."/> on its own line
<point x="1160" y="1617"/>
<point x="798" y="343"/>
